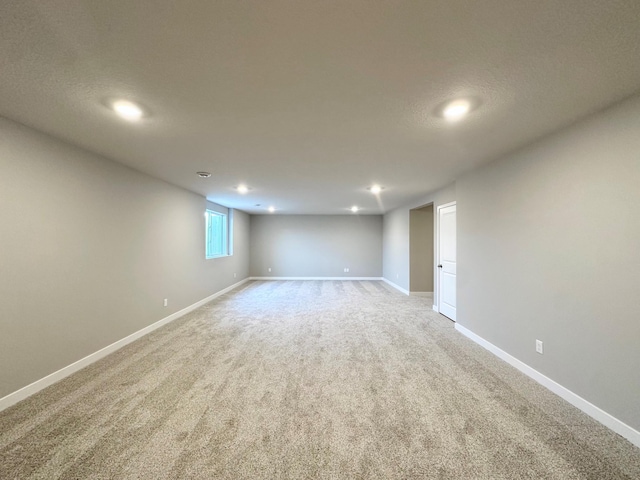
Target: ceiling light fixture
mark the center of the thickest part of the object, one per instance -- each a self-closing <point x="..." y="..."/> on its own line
<point x="455" y="110"/>
<point x="128" y="110"/>
<point x="242" y="189"/>
<point x="375" y="189"/>
<point x="272" y="209"/>
<point x="354" y="209"/>
<point x="203" y="174"/>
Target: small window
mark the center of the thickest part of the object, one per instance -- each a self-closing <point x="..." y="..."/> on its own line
<point x="216" y="234"/>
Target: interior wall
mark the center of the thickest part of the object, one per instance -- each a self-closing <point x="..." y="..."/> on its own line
<point x="89" y="251"/>
<point x="396" y="237"/>
<point x="316" y="245"/>
<point x="421" y="252"/>
<point x="548" y="249"/>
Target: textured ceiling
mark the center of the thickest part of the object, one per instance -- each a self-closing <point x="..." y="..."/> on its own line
<point x="309" y="102"/>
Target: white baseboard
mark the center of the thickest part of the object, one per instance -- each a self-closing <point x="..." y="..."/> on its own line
<point x="577" y="401"/>
<point x="397" y="287"/>
<point x="421" y="294"/>
<point x="318" y="278"/>
<point x="435" y="308"/>
<point x="54" y="377"/>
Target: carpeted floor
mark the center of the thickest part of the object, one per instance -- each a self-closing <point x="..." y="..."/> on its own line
<point x="304" y="380"/>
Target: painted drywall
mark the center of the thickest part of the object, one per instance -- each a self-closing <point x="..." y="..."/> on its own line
<point x="421" y="253"/>
<point x="548" y="248"/>
<point x="396" y="237"/>
<point x="89" y="250"/>
<point x="316" y="245"/>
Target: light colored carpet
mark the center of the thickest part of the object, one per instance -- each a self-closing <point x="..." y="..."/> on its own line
<point x="304" y="380"/>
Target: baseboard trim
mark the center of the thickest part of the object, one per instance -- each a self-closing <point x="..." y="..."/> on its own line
<point x="27" y="391"/>
<point x="317" y="278"/>
<point x="421" y="294"/>
<point x="397" y="287"/>
<point x="435" y="308"/>
<point x="577" y="401"/>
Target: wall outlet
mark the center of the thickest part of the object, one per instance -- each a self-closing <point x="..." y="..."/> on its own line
<point x="539" y="348"/>
<point x="166" y="302"/>
<point x="269" y="269"/>
<point x="397" y="276"/>
<point x="235" y="275"/>
<point x="346" y="270"/>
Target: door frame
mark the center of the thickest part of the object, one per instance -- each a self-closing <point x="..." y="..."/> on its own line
<point x="436" y="271"/>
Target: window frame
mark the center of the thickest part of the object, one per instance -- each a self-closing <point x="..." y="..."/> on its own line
<point x="210" y="234"/>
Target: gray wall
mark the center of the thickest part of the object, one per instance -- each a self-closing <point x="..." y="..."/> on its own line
<point x="549" y="249"/>
<point x="89" y="250"/>
<point x="396" y="234"/>
<point x="316" y="245"/>
<point x="421" y="252"/>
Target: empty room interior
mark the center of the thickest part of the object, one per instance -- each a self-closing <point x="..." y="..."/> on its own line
<point x="342" y="240"/>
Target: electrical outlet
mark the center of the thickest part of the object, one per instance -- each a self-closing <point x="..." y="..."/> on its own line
<point x="397" y="276"/>
<point x="539" y="348"/>
<point x="166" y="302"/>
<point x="269" y="269"/>
<point x="235" y="275"/>
<point x="347" y="269"/>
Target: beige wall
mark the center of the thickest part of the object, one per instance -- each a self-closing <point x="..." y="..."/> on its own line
<point x="421" y="252"/>
<point x="549" y="249"/>
<point x="316" y="245"/>
<point x="89" y="250"/>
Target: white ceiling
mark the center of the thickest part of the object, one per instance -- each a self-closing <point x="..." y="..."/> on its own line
<point x="309" y="102"/>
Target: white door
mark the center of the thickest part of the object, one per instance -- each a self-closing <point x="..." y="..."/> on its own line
<point x="447" y="260"/>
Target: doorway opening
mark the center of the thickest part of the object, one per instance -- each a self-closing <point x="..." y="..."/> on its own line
<point x="422" y="251"/>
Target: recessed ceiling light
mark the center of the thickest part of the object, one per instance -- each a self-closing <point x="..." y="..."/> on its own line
<point x="203" y="174"/>
<point x="128" y="110"/>
<point x="375" y="189"/>
<point x="455" y="110"/>
<point x="354" y="209"/>
<point x="272" y="209"/>
<point x="242" y="189"/>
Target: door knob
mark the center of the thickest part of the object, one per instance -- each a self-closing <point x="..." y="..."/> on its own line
<point x="439" y="266"/>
